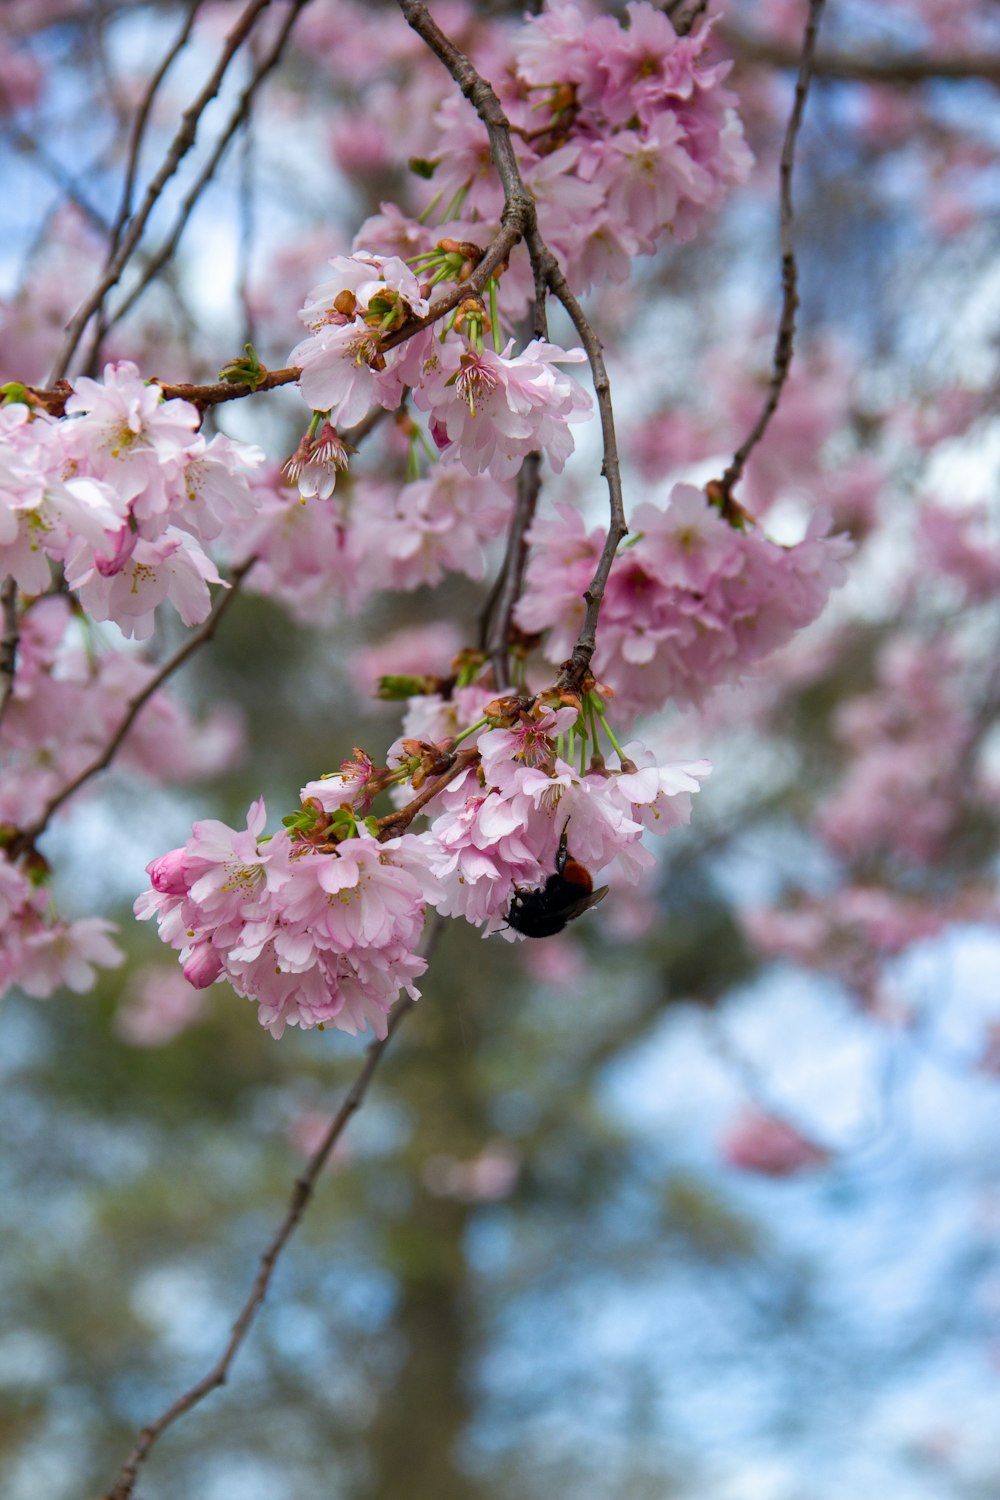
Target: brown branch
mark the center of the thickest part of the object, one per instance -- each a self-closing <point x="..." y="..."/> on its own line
<point x="302" y="1193"/>
<point x="498" y="611"/>
<point x="26" y="838"/>
<point x="139" y="123"/>
<point x="178" y="149"/>
<point x="239" y="115"/>
<point x="902" y="70"/>
<point x="784" y="347"/>
<point x="576" y="668"/>
<point x="11" y="635"/>
<point x="54" y="400"/>
<point x="403" y="816"/>
<point x="519" y="212"/>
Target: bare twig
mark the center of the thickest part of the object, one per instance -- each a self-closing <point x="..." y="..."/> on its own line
<point x="302" y="1193"/>
<point x="239" y="115"/>
<point x="9" y="638"/>
<point x="202" y="396"/>
<point x="139" y="123"/>
<point x="784" y="346"/>
<point x="178" y="149"/>
<point x="902" y="70"/>
<point x="498" y="611"/>
<point x="26" y="837"/>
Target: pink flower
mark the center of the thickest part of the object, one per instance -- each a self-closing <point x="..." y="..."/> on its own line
<point x="691" y="602"/>
<point x="762" y="1143"/>
<point x="495" y="409"/>
<point x="314" y="937"/>
<point x="343" y="371"/>
<point x="340" y="371"/>
<point x="40" y="952"/>
<point x="144" y="574"/>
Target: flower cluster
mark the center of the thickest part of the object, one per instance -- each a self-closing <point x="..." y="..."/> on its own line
<point x="624" y="133"/>
<point x="318" y="936"/>
<point x="124" y="493"/>
<point x="318" y="556"/>
<point x="487" y="408"/>
<point x="40" y="952"/>
<point x="319" y="923"/>
<point x="691" y="602"/>
<point x="67" y="703"/>
<point x="905" y="789"/>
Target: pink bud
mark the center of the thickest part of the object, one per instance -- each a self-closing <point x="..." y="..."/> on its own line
<point x="167" y="874"/>
<point x="757" y="1142"/>
<point x="203" y="967"/>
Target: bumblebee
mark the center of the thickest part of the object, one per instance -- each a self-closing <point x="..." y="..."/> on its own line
<point x="565" y="895"/>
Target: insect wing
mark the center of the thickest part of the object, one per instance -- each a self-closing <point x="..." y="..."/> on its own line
<point x="577" y="908"/>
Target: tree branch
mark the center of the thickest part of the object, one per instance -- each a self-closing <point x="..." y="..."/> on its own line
<point x="302" y="1193"/>
<point x="240" y="114"/>
<point x="27" y="837"/>
<point x="9" y="638"/>
<point x="178" y="149"/>
<point x="519" y="212"/>
<point x="784" y="347"/>
<point x="901" y="70"/>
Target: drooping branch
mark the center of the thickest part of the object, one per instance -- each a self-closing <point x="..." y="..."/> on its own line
<point x="899" y="69"/>
<point x="722" y="490"/>
<point x="176" y="152"/>
<point x="238" y="117"/>
<point x="302" y="1193"/>
<point x="26" y="837"/>
<point x="519" y="212"/>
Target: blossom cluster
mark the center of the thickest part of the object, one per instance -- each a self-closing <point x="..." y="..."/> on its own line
<point x="319" y="922"/>
<point x="123" y="493"/>
<point x="67" y="702"/>
<point x="319" y="556"/>
<point x="623" y="131"/>
<point x="316" y="937"/>
<point x="905" y="789"/>
<point x="692" y="601"/>
<point x="40" y="952"/>
<point x="487" y="408"/>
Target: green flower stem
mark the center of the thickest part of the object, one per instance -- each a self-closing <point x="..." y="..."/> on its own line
<point x="610" y="733"/>
<point x="494" y="315"/>
<point x="480" y="724"/>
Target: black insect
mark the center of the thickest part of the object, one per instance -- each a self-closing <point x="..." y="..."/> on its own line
<point x="565" y="895"/>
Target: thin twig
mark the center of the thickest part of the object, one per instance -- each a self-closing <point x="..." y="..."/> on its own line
<point x="901" y="70"/>
<point x="202" y="396"/>
<point x="503" y="600"/>
<point x="302" y="1193"/>
<point x="239" y="115"/>
<point x="137" y="133"/>
<point x="27" y="837"/>
<point x="178" y="149"/>
<point x="11" y="635"/>
<point x="139" y="123"/>
<point x="785" y="342"/>
<point x="498" y="611"/>
<point x="576" y="668"/>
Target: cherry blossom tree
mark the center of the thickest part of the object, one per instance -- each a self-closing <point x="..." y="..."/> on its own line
<point x="574" y="423"/>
